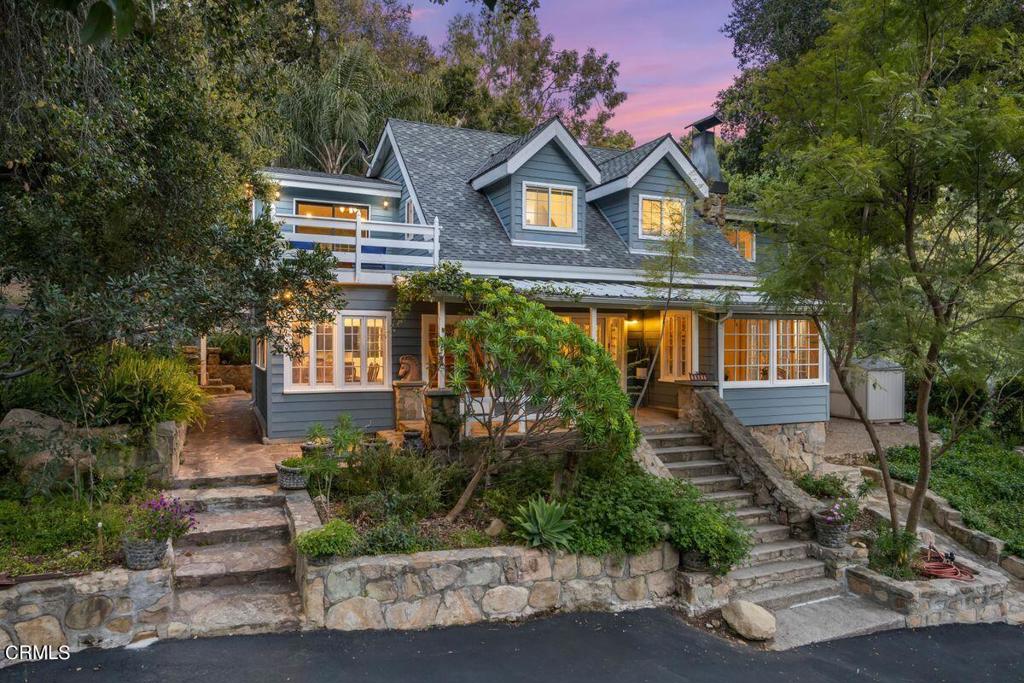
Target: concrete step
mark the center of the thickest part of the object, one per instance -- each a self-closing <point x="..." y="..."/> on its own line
<point x="777" y="573"/>
<point x="234" y="526"/>
<point x="214" y="381"/>
<point x="776" y="551"/>
<point x="685" y="453"/>
<point x="780" y="597"/>
<point x="768" y="533"/>
<point x="671" y="439"/>
<point x="753" y="516"/>
<point x="204" y="481"/>
<point x="843" y="616"/>
<point x="219" y="389"/>
<point x="230" y="497"/>
<point x="233" y="610"/>
<point x="698" y="468"/>
<point x="731" y="500"/>
<point x="669" y="426"/>
<point x="230" y="564"/>
<point x="712" y="484"/>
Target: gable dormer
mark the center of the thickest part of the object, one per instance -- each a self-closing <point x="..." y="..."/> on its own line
<point x="537" y="186"/>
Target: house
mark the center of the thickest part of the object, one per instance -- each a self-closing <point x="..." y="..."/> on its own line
<point x="538" y="209"/>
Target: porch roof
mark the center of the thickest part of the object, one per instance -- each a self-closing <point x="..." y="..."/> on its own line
<point x="627" y="293"/>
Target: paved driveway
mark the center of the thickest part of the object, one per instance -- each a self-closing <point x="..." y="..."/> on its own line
<point x="650" y="645"/>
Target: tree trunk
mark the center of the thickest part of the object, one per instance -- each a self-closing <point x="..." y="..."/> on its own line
<point x="467" y="494"/>
<point x="924" y="446"/>
<point x="565" y="474"/>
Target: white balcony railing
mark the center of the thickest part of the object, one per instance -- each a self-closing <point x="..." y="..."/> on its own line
<point x="364" y="249"/>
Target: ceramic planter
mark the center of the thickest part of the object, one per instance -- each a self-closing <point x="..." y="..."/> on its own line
<point x="290" y="478"/>
<point x="694" y="561"/>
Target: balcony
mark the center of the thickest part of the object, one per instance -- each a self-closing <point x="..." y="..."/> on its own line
<point x="366" y="251"/>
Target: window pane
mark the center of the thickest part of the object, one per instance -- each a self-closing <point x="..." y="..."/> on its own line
<point x="561" y="209"/>
<point x="673" y="215"/>
<point x="300" y="364"/>
<point x="743" y="240"/>
<point x="325" y="354"/>
<point x="650" y="217"/>
<point x="797" y="353"/>
<point x="747" y="347"/>
<point x="353" y="350"/>
<point x="537" y="206"/>
<point x="375" y="350"/>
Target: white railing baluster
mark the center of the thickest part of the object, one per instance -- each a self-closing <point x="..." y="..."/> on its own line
<point x="437" y="241"/>
<point x="359" y="241"/>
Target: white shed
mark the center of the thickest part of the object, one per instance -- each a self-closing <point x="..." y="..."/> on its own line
<point x="878" y="385"/>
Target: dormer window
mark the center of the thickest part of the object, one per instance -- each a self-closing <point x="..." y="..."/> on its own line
<point x="660" y="217"/>
<point x="744" y="241"/>
<point x="549" y="207"/>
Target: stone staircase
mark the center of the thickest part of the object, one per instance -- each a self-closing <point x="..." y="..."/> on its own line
<point x="216" y="387"/>
<point x="234" y="574"/>
<point x="780" y="574"/>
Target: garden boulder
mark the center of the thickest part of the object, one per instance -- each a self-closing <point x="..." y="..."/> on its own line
<point x="751" y="621"/>
<point x="41" y="438"/>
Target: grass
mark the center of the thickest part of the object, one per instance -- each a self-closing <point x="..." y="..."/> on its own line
<point x="982" y="478"/>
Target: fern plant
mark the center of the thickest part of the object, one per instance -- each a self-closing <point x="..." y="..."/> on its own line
<point x="542" y="524"/>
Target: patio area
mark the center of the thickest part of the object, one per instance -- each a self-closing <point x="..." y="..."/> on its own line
<point x="847" y="441"/>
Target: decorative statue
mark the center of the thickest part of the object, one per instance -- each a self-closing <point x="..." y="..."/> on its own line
<point x="408" y="369"/>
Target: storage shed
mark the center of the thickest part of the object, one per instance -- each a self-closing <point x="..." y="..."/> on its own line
<point x="878" y="386"/>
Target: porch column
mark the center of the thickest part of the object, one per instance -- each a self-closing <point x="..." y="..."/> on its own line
<point x="203" y="376"/>
<point x="440" y="336"/>
<point x="593" y="323"/>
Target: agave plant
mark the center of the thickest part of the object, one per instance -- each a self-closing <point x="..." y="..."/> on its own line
<point x="542" y="524"/>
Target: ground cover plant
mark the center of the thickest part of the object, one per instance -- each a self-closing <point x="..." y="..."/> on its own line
<point x="826" y="486"/>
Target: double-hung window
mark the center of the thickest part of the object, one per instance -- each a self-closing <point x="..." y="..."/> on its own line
<point x="350" y="353"/>
<point x="771" y="352"/>
<point x="676" y="346"/>
<point x="660" y="216"/>
<point x="744" y="241"/>
<point x="549" y="207"/>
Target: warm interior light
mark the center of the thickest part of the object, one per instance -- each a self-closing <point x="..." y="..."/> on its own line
<point x="385" y="203"/>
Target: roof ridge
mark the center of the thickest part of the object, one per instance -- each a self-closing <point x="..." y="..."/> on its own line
<point x="447" y="127"/>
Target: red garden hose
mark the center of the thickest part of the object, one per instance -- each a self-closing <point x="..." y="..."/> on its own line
<point x="934" y="563"/>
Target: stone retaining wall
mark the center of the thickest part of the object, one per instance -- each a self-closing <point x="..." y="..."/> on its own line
<point x="101" y="609"/>
<point x="797" y="448"/>
<point x="446" y="588"/>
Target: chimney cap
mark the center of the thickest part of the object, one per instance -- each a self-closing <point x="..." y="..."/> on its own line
<point x="706" y="123"/>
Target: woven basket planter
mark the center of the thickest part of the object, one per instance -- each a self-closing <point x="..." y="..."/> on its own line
<point x="290" y="478"/>
<point x="143" y="554"/>
<point x="830" y="535"/>
<point x="317" y="448"/>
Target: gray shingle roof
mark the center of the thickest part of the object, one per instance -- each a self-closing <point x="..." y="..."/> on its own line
<point x="621" y="165"/>
<point x="509" y="150"/>
<point x="441" y="160"/>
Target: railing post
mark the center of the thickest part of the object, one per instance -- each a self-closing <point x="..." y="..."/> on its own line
<point x="359" y="235"/>
<point x="437" y="241"/>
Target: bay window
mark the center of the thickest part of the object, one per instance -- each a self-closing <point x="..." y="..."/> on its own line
<point x="359" y="339"/>
<point x="660" y="216"/>
<point x="771" y="352"/>
<point x="549" y="207"/>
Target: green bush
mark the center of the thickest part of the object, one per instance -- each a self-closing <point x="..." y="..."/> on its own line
<point x="981" y="477"/>
<point x="37" y="391"/>
<point x="519" y="482"/>
<point x="384" y="482"/>
<point x="143" y="388"/>
<point x="826" y="487"/>
<point x="337" y="537"/>
<point x="695" y="525"/>
<point x="394" y="536"/>
<point x="234" y="347"/>
<point x="892" y="552"/>
<point x="1008" y="411"/>
<point x="542" y="524"/>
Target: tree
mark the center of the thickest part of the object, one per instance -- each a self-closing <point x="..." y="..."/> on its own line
<point x="544" y="384"/>
<point x="530" y="81"/>
<point x="900" y="196"/>
<point x="128" y="169"/>
<point x="386" y="25"/>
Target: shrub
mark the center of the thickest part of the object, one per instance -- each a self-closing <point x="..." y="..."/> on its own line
<point x="828" y="486"/>
<point x="695" y="525"/>
<point x="37" y="391"/>
<point x="234" y="347"/>
<point x="337" y="537"/>
<point x="1008" y="411"/>
<point x="142" y="388"/>
<point x="394" y="536"/>
<point x="293" y="462"/>
<point x="519" y="482"/>
<point x="542" y="524"/>
<point x="892" y="552"/>
<point x="384" y="482"/>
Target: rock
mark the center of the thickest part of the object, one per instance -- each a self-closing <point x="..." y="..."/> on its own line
<point x="410" y="587"/>
<point x="495" y="528"/>
<point x="412" y="615"/>
<point x="381" y="591"/>
<point x="751" y="621"/>
<point x="545" y="594"/>
<point x="88" y="613"/>
<point x="344" y="583"/>
<point x="565" y="567"/>
<point x="120" y="625"/>
<point x="631" y="590"/>
<point x="927" y="537"/>
<point x="483" y="574"/>
<point x="29" y="611"/>
<point x="590" y="566"/>
<point x="670" y="556"/>
<point x="5" y="640"/>
<point x="580" y="594"/>
<point x="615" y="567"/>
<point x="41" y="631"/>
<point x="645" y="564"/>
<point x="313" y="602"/>
<point x="534" y="565"/>
<point x="662" y="584"/>
<point x="458" y="607"/>
<point x="355" y="614"/>
<point x="505" y="600"/>
<point x="176" y="629"/>
<point x="444" y="575"/>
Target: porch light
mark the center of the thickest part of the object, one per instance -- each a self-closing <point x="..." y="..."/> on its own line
<point x="385" y="203"/>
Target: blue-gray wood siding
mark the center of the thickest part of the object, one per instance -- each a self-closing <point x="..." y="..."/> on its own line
<point x="778" y="405"/>
<point x="661" y="181"/>
<point x="549" y="165"/>
<point x="615" y="208"/>
<point x="291" y="415"/>
<point x="392" y="171"/>
<point x="500" y="196"/>
<point x="285" y="204"/>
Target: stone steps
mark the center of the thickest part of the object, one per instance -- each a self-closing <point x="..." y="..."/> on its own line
<point x="776" y="551"/>
<point x="218" y="389"/>
<point x="684" y="453"/>
<point x="712" y="484"/>
<point x="768" y="532"/>
<point x="698" y="468"/>
<point x="843" y="616"/>
<point x="776" y="573"/>
<point x="753" y="516"/>
<point x="252" y="479"/>
<point x="675" y="439"/>
<point x="229" y="564"/>
<point x="235" y="526"/>
<point x="780" y="597"/>
<point x="267" y="607"/>
<point x="230" y="497"/>
<point x="731" y="500"/>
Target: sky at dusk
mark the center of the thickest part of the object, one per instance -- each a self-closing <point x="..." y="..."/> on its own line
<point x="672" y="54"/>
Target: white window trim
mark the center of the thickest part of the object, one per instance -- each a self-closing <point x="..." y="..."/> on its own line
<point x="772" y="380"/>
<point x="549" y="187"/>
<point x="338" y="386"/>
<point x="640" y="214"/>
<point x="296" y="200"/>
<point x="259" y="353"/>
<point x="691" y="363"/>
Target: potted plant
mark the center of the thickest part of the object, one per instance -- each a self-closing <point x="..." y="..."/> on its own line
<point x="317" y="440"/>
<point x="149" y="528"/>
<point x="291" y="474"/>
<point x="345" y="436"/>
<point x="833" y="523"/>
